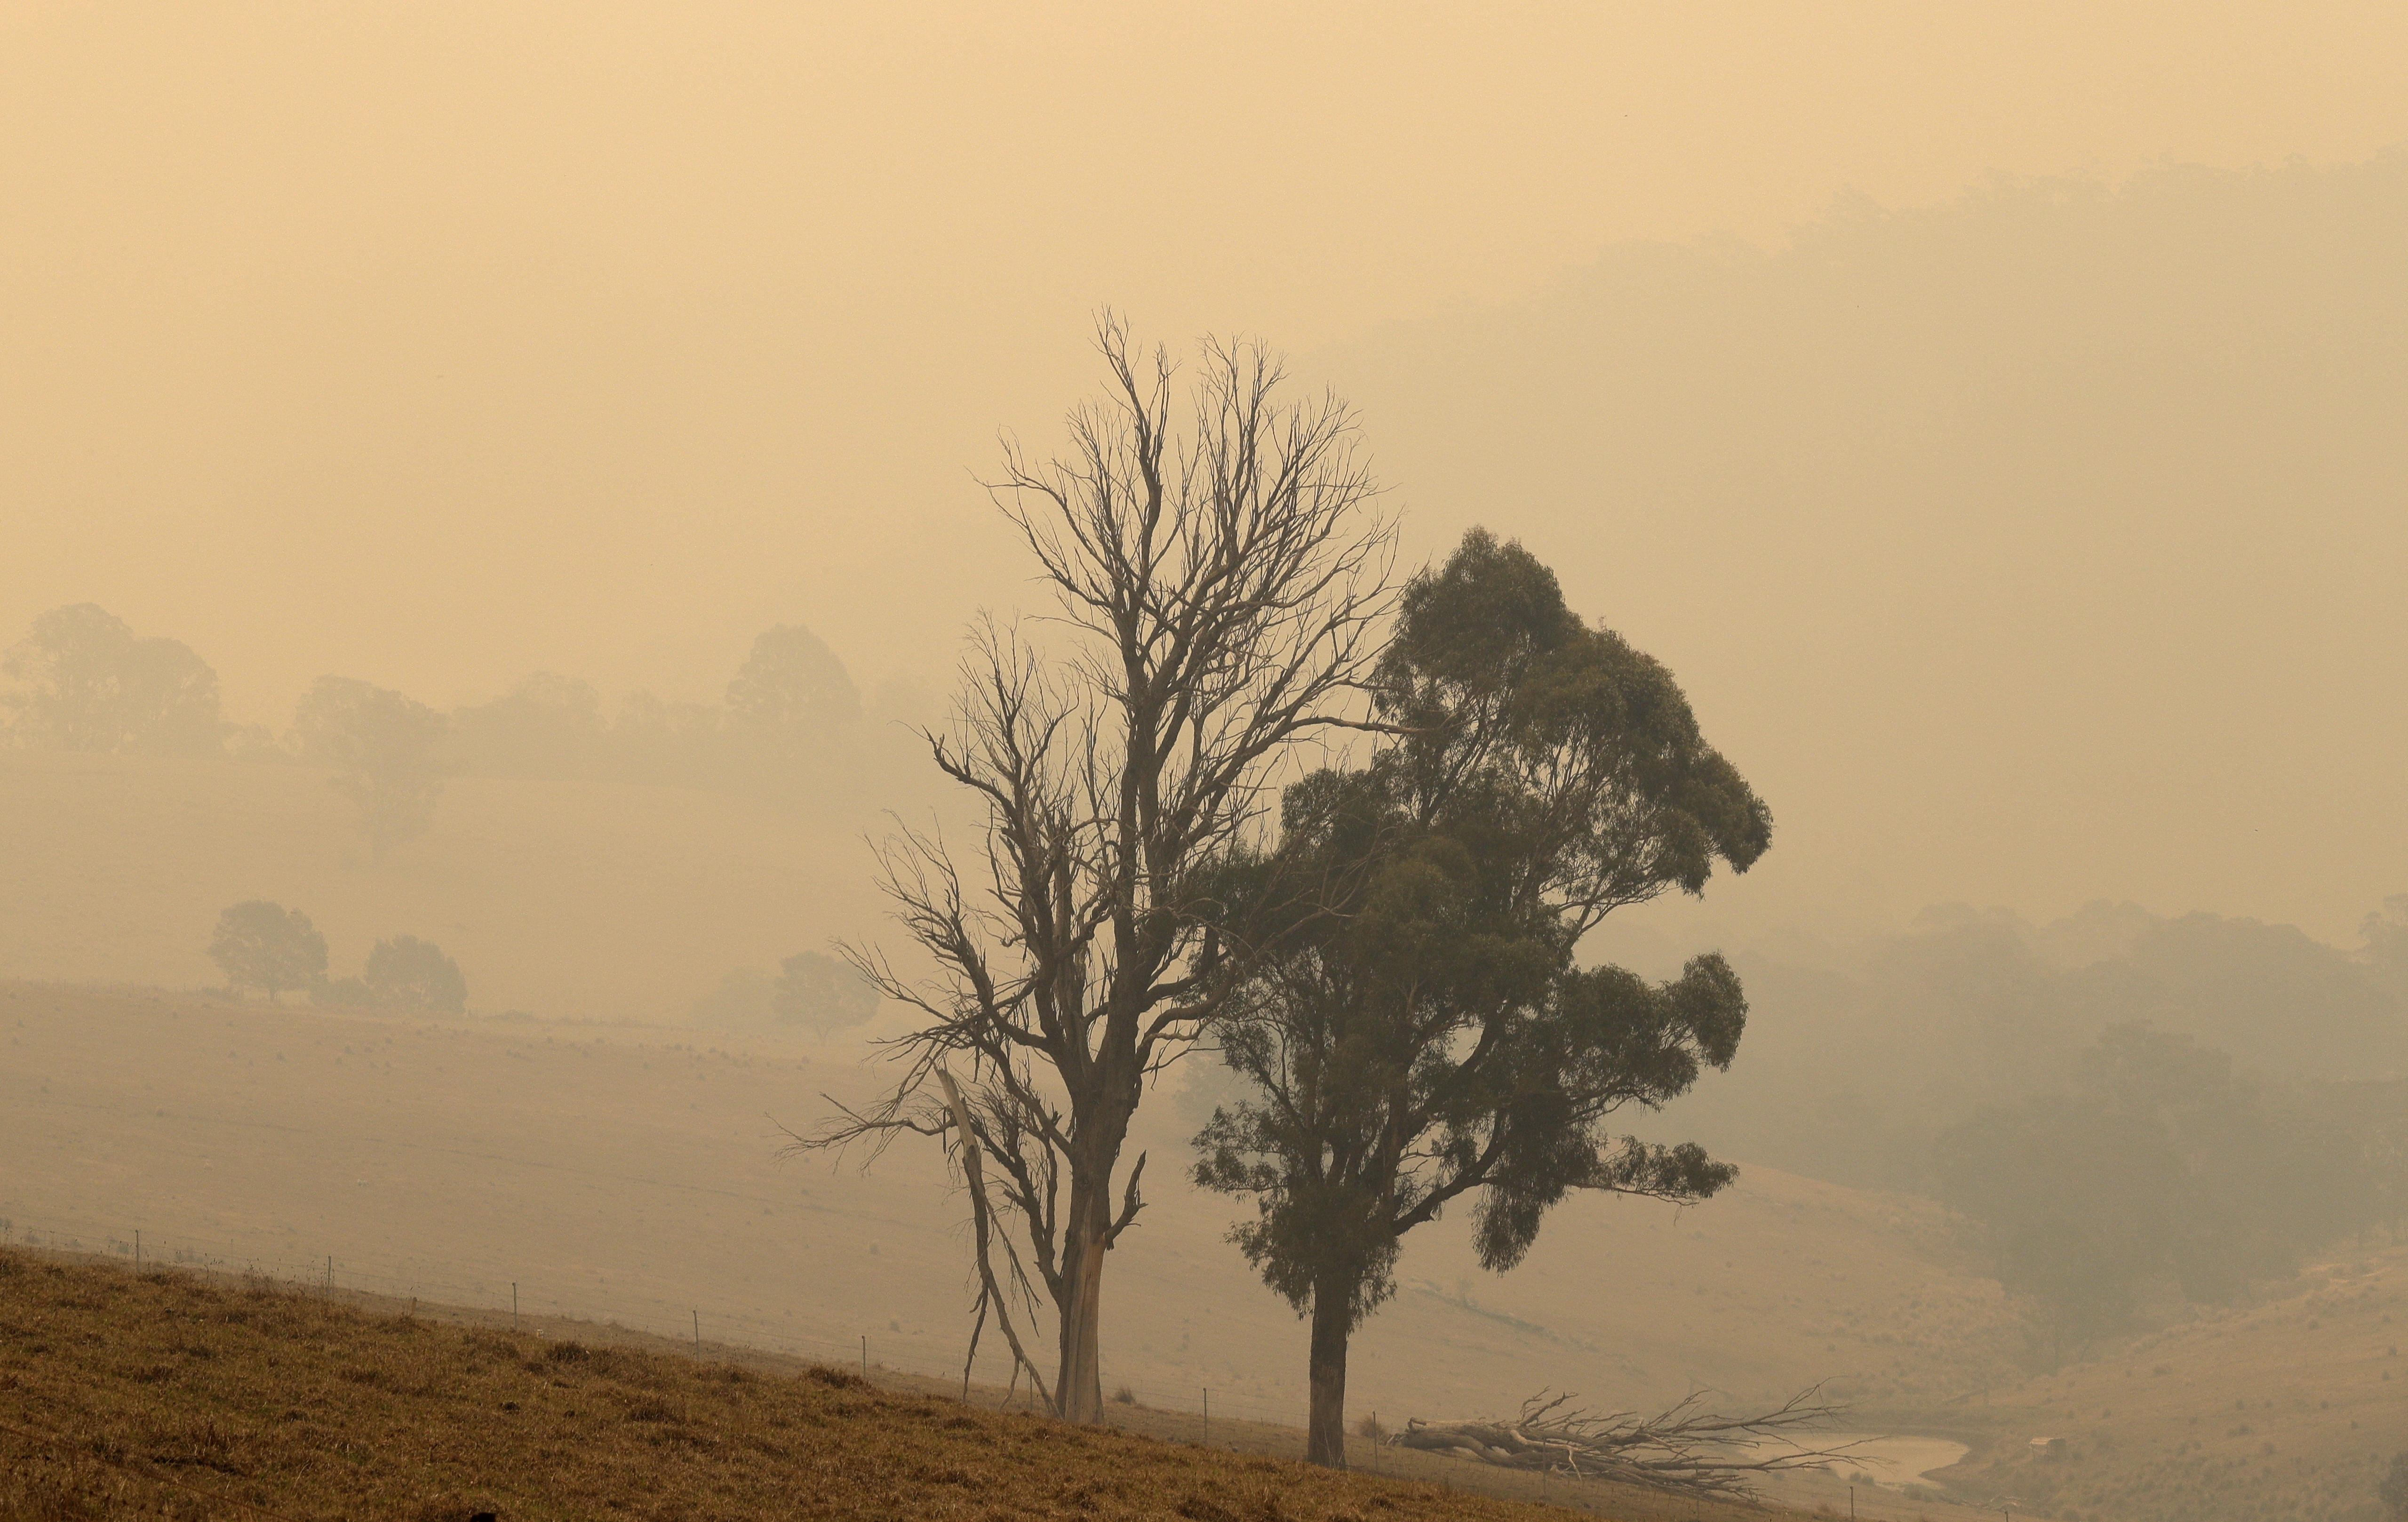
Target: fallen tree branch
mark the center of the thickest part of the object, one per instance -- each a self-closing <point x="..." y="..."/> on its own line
<point x="1684" y="1448"/>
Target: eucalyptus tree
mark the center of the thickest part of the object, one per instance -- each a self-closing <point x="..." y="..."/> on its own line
<point x="1219" y="583"/>
<point x="1417" y="1031"/>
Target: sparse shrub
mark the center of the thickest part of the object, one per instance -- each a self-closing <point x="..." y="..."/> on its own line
<point x="268" y="947"/>
<point x="1368" y="1427"/>
<point x="1124" y="1396"/>
<point x="835" y="1378"/>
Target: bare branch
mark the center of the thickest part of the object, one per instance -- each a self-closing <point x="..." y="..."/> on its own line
<point x="1219" y="582"/>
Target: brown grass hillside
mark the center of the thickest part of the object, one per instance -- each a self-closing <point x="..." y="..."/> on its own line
<point x="634" y="1175"/>
<point x="167" y="1394"/>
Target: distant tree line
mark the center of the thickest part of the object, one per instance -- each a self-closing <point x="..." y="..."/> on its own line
<point x="85" y="682"/>
<point x="2134" y="1109"/>
<point x="788" y="726"/>
<point x="275" y="949"/>
<point x="2159" y="1169"/>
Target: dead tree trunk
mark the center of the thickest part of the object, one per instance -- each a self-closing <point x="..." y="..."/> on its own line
<point x="1219" y="592"/>
<point x="1080" y="1378"/>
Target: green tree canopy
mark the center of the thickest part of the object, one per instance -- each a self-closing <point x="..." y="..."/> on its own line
<point x="1416" y="1032"/>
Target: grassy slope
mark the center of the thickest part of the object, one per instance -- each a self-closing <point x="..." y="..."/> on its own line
<point x="2287" y="1411"/>
<point x="629" y="1172"/>
<point x="633" y="1178"/>
<point x="598" y="899"/>
<point x="171" y="1395"/>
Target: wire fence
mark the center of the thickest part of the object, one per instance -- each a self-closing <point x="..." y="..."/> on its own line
<point x="537" y="1296"/>
<point x="539" y="1303"/>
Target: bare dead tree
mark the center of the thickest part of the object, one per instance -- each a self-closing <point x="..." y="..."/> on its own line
<point x="1684" y="1448"/>
<point x="1219" y="590"/>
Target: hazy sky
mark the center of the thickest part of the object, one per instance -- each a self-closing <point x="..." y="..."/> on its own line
<point x="437" y="343"/>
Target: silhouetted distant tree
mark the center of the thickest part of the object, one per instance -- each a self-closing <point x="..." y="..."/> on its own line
<point x="409" y="974"/>
<point x="88" y="684"/>
<point x="792" y="680"/>
<point x="790" y="701"/>
<point x="2160" y="1165"/>
<point x="822" y="994"/>
<point x="1417" y="1032"/>
<point x="383" y="748"/>
<point x="267" y="946"/>
<point x="547" y="725"/>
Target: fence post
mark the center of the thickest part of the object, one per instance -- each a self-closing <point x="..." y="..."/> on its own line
<point x="1208" y="1417"/>
<point x="514" y="1302"/>
<point x="138" y="1249"/>
<point x="864" y="1355"/>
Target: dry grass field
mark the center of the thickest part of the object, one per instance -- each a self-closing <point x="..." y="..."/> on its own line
<point x="631" y="1174"/>
<point x="167" y="1394"/>
<point x="600" y="1162"/>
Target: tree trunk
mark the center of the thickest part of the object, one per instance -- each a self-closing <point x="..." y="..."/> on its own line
<point x="1325" y="1437"/>
<point x="1079" y="1382"/>
<point x="1086" y="1236"/>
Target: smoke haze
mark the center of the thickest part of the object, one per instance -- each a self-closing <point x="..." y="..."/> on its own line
<point x="563" y="429"/>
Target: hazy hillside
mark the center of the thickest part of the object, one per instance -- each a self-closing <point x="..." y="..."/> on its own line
<point x="1857" y="1053"/>
<point x="602" y="900"/>
<point x="2287" y="1411"/>
<point x="2034" y="546"/>
<point x="634" y="1177"/>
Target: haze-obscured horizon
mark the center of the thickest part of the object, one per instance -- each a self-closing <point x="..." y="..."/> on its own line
<point x="1992" y="443"/>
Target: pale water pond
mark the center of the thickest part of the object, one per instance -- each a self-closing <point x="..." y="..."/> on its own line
<point x="1904" y="1460"/>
